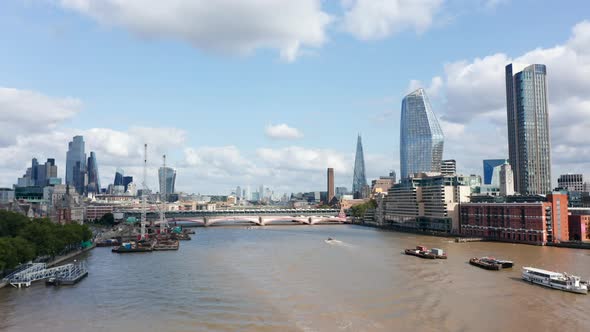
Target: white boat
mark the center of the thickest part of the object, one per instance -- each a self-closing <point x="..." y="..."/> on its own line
<point x="562" y="281"/>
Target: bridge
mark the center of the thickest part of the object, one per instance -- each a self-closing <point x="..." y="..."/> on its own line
<point x="258" y="217"/>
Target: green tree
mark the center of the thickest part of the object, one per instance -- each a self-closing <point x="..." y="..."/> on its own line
<point x="107" y="219"/>
<point x="11" y="223"/>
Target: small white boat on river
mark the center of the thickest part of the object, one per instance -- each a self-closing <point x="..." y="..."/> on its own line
<point x="561" y="281"/>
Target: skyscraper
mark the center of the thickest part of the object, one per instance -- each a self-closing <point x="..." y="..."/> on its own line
<point x="76" y="164"/>
<point x="126" y="181"/>
<point x="359" y="180"/>
<point x="93" y="178"/>
<point x="488" y="169"/>
<point x="330" y="185"/>
<point x="119" y="175"/>
<point x="528" y="128"/>
<point x="167" y="178"/>
<point x="421" y="138"/>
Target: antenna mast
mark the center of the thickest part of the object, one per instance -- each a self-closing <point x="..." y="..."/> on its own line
<point x="143" y="196"/>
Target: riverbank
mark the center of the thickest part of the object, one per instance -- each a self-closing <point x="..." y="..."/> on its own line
<point x="60" y="259"/>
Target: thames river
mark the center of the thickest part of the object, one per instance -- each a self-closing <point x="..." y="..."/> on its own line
<point x="288" y="278"/>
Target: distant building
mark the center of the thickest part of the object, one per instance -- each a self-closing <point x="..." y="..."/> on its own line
<point x="93" y="177"/>
<point x="506" y="180"/>
<point x="421" y="137"/>
<point x="94" y="212"/>
<point x="359" y="179"/>
<point x="426" y="202"/>
<point x="528" y="128"/>
<point x="331" y="192"/>
<point x="39" y="175"/>
<point x="381" y="185"/>
<point x="76" y="175"/>
<point x="126" y="181"/>
<point x="119" y="175"/>
<point x="571" y="182"/>
<point x="167" y="177"/>
<point x="489" y="169"/>
<point x="340" y="191"/>
<point x="448" y="167"/>
<point x="525" y="219"/>
<point x="6" y="195"/>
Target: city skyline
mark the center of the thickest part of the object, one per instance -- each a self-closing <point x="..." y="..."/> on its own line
<point x="310" y="84"/>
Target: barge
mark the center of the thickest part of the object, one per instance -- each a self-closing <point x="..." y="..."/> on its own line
<point x="131" y="247"/>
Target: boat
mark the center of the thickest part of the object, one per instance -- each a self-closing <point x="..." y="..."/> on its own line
<point x="556" y="280"/>
<point x="485" y="264"/>
<point x="108" y="243"/>
<point x="129" y="247"/>
<point x="166" y="244"/>
<point x="421" y="252"/>
<point x="438" y="253"/>
<point x="504" y="263"/>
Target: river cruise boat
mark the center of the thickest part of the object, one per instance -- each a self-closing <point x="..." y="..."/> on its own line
<point x="561" y="281"/>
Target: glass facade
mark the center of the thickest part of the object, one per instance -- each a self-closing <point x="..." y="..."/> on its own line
<point x="421" y="138"/>
<point x="119" y="175"/>
<point x="359" y="180"/>
<point x="488" y="169"/>
<point x="167" y="178"/>
<point x="76" y="164"/>
<point x="528" y="128"/>
<point x="93" y="179"/>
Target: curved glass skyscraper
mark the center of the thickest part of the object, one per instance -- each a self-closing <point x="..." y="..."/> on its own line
<point x="421" y="138"/>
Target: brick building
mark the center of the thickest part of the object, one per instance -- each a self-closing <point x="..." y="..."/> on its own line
<point x="537" y="220"/>
<point x="579" y="227"/>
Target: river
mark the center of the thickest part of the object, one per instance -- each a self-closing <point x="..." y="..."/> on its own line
<point x="287" y="278"/>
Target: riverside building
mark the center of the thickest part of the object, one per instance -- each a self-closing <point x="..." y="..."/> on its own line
<point x="525" y="219"/>
<point x="426" y="202"/>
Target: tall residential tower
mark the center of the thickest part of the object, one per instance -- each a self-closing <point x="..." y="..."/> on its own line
<point x="421" y="138"/>
<point x="528" y="128"/>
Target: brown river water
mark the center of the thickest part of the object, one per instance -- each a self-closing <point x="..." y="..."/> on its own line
<point x="288" y="278"/>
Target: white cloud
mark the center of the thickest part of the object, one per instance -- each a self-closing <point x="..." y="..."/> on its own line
<point x="24" y="111"/>
<point x="378" y="19"/>
<point x="473" y="101"/>
<point x="282" y="131"/>
<point x="303" y="159"/>
<point x="227" y="26"/>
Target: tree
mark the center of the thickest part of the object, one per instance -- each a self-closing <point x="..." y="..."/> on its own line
<point x="11" y="223"/>
<point x="107" y="219"/>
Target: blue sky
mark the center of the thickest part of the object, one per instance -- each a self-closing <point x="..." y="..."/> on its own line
<point x="204" y="82"/>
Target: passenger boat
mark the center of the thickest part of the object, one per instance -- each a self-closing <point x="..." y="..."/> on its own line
<point x="485" y="264"/>
<point x="421" y="252"/>
<point x="129" y="247"/>
<point x="561" y="281"/>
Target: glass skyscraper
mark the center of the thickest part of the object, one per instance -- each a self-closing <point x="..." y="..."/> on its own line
<point x="488" y="169"/>
<point x="167" y="178"/>
<point x="421" y="138"/>
<point x="528" y="128"/>
<point x="93" y="178"/>
<point x="76" y="164"/>
<point x="359" y="180"/>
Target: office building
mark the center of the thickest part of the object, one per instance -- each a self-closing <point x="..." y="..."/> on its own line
<point x="39" y="175"/>
<point x="126" y="181"/>
<point x="167" y="177"/>
<point x="448" y="167"/>
<point x="119" y="175"/>
<point x="489" y="169"/>
<point x="528" y="128"/>
<point x="76" y="176"/>
<point x="426" y="202"/>
<point x="93" y="178"/>
<point x="571" y="182"/>
<point x="331" y="192"/>
<point x="506" y="180"/>
<point x="525" y="219"/>
<point x="421" y="137"/>
<point x="359" y="180"/>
